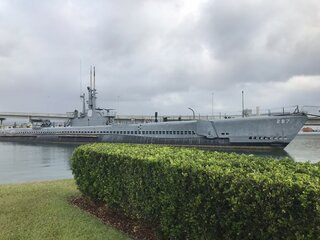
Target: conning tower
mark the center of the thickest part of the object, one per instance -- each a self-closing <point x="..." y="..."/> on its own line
<point x="92" y="115"/>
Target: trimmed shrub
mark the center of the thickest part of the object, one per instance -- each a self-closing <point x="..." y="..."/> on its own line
<point x="188" y="193"/>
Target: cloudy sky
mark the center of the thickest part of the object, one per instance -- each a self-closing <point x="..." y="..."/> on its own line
<point x="164" y="56"/>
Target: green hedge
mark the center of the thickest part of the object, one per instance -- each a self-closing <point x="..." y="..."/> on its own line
<point x="193" y="194"/>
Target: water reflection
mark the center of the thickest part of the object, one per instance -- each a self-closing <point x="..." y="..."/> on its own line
<point x="22" y="162"/>
<point x="305" y="148"/>
<point x="302" y="149"/>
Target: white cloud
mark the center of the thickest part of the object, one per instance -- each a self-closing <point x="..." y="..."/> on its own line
<point x="305" y="84"/>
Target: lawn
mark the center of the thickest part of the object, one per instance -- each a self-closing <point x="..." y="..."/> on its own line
<point x="41" y="211"/>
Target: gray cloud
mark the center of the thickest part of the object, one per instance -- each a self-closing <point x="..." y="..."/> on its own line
<point x="158" y="56"/>
<point x="263" y="41"/>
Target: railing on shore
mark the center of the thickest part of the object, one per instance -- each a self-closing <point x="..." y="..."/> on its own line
<point x="125" y="119"/>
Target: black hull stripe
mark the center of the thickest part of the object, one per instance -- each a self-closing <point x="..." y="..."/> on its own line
<point x="195" y="141"/>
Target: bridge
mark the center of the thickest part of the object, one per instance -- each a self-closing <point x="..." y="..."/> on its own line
<point x="34" y="115"/>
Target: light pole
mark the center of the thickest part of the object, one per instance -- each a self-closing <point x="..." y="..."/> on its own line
<point x="118" y="97"/>
<point x="212" y="105"/>
<point x="242" y="103"/>
<point x="193" y="114"/>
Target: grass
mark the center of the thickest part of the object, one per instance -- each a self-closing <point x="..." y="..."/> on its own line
<point x="41" y="211"/>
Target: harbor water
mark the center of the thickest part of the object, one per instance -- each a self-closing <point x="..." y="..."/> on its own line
<point x="22" y="162"/>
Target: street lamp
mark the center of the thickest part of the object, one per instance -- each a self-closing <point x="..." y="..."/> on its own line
<point x="212" y="106"/>
<point x="193" y="114"/>
<point x="242" y="103"/>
